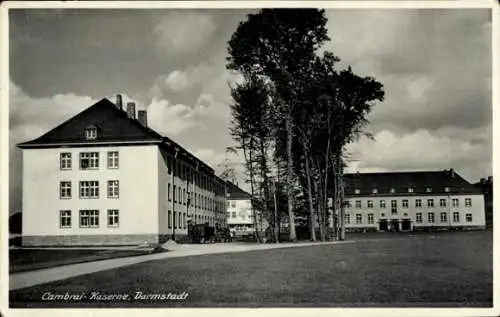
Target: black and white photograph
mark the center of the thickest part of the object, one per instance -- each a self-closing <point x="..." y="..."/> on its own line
<point x="228" y="155"/>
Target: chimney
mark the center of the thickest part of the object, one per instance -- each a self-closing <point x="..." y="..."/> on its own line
<point x="131" y="110"/>
<point x="483" y="180"/>
<point x="142" y="116"/>
<point x="490" y="179"/>
<point x="119" y="103"/>
<point x="452" y="173"/>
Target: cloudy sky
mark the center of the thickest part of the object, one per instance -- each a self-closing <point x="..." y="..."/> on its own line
<point x="435" y="66"/>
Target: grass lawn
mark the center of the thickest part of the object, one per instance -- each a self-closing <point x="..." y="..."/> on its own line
<point x="451" y="269"/>
<point x="21" y="260"/>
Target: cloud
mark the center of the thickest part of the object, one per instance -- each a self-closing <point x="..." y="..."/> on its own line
<point x="169" y="119"/>
<point x="422" y="150"/>
<point x="184" y="31"/>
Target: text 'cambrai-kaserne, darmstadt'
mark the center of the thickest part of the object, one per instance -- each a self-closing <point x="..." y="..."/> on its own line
<point x="98" y="296"/>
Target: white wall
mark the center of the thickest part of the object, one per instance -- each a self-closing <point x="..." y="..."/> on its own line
<point x="476" y="209"/>
<point x="137" y="205"/>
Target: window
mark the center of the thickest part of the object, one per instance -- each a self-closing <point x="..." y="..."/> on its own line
<point x="113" y="219"/>
<point x="358" y="204"/>
<point x="169" y="192"/>
<point x="418" y="217"/>
<point x="370" y="219"/>
<point x="359" y="218"/>
<point x="382" y="215"/>
<point x="113" y="189"/>
<point x="89" y="189"/>
<point x="233" y="214"/>
<point x="184" y="220"/>
<point x="430" y="217"/>
<point x="65" y="218"/>
<point x="454" y="202"/>
<point x="184" y="196"/>
<point x="392" y="190"/>
<point x="89" y="218"/>
<point x="65" y="161"/>
<point x="375" y="191"/>
<point x="113" y="159"/>
<point x="170" y="219"/>
<point x="418" y="203"/>
<point x="410" y="189"/>
<point x="370" y="204"/>
<point x="447" y="189"/>
<point x="382" y="204"/>
<point x="394" y="207"/>
<point x="456" y="217"/>
<point x="357" y="191"/>
<point x="347" y="219"/>
<point x="468" y="202"/>
<point x="444" y="217"/>
<point x="175" y="220"/>
<point x="175" y="194"/>
<point x="442" y="203"/>
<point x="89" y="160"/>
<point x="65" y="190"/>
<point x="468" y="217"/>
<point x="348" y="204"/>
<point x="430" y="202"/>
<point x="91" y="132"/>
<point x="428" y="189"/>
<point x="405" y="203"/>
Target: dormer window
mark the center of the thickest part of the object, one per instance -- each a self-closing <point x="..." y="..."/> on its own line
<point x="374" y="191"/>
<point x="357" y="191"/>
<point x="447" y="189"/>
<point x="428" y="189"/>
<point x="410" y="189"/>
<point x="91" y="132"/>
<point x="393" y="190"/>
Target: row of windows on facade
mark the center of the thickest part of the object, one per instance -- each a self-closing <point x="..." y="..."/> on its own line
<point x="428" y="189"/>
<point x="90" y="219"/>
<point x="405" y="203"/>
<point x="90" y="160"/>
<point x="418" y="217"/>
<point x="90" y="189"/>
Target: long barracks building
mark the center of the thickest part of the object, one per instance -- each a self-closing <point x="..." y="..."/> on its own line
<point x="104" y="177"/>
<point x="406" y="201"/>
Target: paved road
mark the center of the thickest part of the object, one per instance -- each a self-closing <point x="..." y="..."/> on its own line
<point x="31" y="278"/>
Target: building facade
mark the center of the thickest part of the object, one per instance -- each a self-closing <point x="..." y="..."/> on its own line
<point x="408" y="201"/>
<point x="240" y="219"/>
<point x="105" y="177"/>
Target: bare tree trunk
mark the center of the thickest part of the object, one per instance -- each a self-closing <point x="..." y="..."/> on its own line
<point x="341" y="192"/>
<point x="289" y="178"/>
<point x="248" y="159"/>
<point x="312" y="223"/>
<point x="276" y="226"/>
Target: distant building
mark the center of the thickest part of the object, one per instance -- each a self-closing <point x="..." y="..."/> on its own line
<point x="105" y="177"/>
<point x="486" y="186"/>
<point x="239" y="211"/>
<point x="406" y="201"/>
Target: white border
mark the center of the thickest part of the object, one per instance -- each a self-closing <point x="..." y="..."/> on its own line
<point x="302" y="312"/>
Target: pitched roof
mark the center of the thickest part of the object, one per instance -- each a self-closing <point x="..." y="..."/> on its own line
<point x="401" y="181"/>
<point x="114" y="126"/>
<point x="235" y="193"/>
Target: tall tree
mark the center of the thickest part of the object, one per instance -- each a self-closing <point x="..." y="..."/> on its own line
<point x="278" y="43"/>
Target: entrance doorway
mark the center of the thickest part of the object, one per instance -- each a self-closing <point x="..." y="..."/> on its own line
<point x="406" y="225"/>
<point x="382" y="225"/>
<point x="395" y="225"/>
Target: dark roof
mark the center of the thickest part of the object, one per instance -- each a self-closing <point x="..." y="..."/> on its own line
<point x="114" y="126"/>
<point x="401" y="181"/>
<point x="234" y="192"/>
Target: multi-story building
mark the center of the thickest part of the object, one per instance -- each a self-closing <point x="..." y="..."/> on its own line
<point x="240" y="219"/>
<point x="486" y="187"/>
<point x="105" y="177"/>
<point x="405" y="201"/>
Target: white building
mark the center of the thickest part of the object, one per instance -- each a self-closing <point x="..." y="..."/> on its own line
<point x="405" y="201"/>
<point x="104" y="177"/>
<point x="239" y="211"/>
